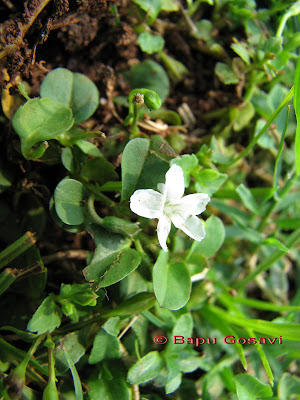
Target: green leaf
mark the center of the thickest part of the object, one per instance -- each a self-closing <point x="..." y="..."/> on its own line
<point x="151" y="7"/>
<point x="120" y="225"/>
<point x="187" y="162"/>
<point x="133" y="160"/>
<point x="156" y="165"/>
<point x="75" y="344"/>
<point x="109" y="249"/>
<point x="127" y="261"/>
<point x="226" y="74"/>
<point x="247" y="198"/>
<point x="76" y="136"/>
<point x="78" y="293"/>
<point x="288" y="223"/>
<point x="99" y="170"/>
<point x="275" y="242"/>
<point x="108" y="389"/>
<point x="175" y="68"/>
<point x="288" y="385"/>
<point x="88" y="148"/>
<point x="150" y="75"/>
<point x="144" y="164"/>
<point x="68" y="197"/>
<point x="210" y="186"/>
<point x="183" y="327"/>
<point x="111" y="326"/>
<point x="169" y="5"/>
<point x="204" y="30"/>
<point x="134" y="305"/>
<point x="74" y="90"/>
<point x="241" y="50"/>
<point x="174" y="375"/>
<point x="46" y="318"/>
<point x="150" y="43"/>
<point x="215" y="235"/>
<point x="105" y="347"/>
<point x="39" y="120"/>
<point x="171" y="282"/>
<point x="250" y="388"/>
<point x="273" y="45"/>
<point x="105" y="243"/>
<point x="168" y="116"/>
<point x="188" y="361"/>
<point x="146" y="369"/>
<point x="68" y="228"/>
<point x="241" y="116"/>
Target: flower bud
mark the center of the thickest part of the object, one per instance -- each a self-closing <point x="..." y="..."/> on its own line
<point x="152" y="99"/>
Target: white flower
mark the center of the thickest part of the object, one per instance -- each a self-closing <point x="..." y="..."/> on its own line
<point x="170" y="206"/>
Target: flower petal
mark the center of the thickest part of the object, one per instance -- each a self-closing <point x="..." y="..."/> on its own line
<point x="147" y="203"/>
<point x="174" y="186"/>
<point x="194" y="228"/>
<point x="195" y="203"/>
<point x="163" y="230"/>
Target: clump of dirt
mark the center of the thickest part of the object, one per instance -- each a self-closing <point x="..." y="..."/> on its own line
<point x="29" y="29"/>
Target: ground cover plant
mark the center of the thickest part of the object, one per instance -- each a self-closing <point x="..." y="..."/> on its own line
<point x="149" y="183"/>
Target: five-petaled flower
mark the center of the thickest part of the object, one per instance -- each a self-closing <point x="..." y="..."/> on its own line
<point x="170" y="206"/>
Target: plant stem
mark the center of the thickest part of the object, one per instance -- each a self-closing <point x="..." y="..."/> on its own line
<point x="137" y="101"/>
<point x="138" y="246"/>
<point x="93" y="213"/>
<point x="291" y="12"/>
<point x="97" y="193"/>
<point x="20" y="354"/>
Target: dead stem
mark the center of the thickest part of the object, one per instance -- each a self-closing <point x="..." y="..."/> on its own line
<point x="128" y="326"/>
<point x="69" y="254"/>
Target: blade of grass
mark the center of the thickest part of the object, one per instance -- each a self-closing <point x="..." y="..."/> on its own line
<point x="226" y="300"/>
<point x="264" y="305"/>
<point x="297" y="112"/>
<point x="256" y="138"/>
<point x="278" y="161"/>
<point x="226" y="329"/>
<point x="286" y="331"/>
<point x="291" y="241"/>
<point x="17" y="248"/>
<point x="7" y="278"/>
<point x="76" y="379"/>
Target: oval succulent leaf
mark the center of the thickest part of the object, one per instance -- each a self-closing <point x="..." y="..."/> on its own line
<point x="75" y="90"/>
<point x="68" y="197"/>
<point x="39" y="120"/>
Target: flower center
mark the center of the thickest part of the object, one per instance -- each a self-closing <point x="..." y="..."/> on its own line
<point x="173" y="208"/>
